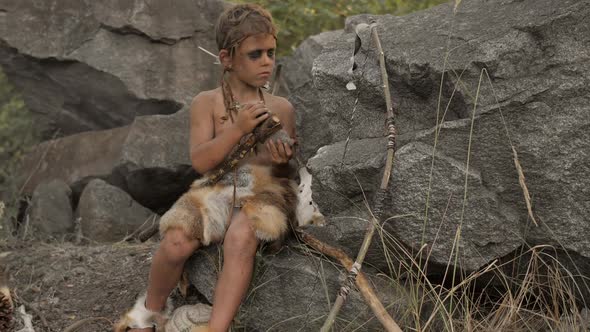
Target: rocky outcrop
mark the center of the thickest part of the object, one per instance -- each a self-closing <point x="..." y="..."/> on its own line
<point x="50" y="213"/>
<point x="460" y="177"/>
<point x="298" y="86"/>
<point x="108" y="214"/>
<point x="469" y="85"/>
<point x="290" y="291"/>
<point x="149" y="159"/>
<point x="91" y="65"/>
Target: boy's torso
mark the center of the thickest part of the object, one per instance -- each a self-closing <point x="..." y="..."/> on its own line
<point x="221" y="122"/>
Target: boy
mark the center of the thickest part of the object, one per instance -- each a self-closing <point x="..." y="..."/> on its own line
<point x="246" y="38"/>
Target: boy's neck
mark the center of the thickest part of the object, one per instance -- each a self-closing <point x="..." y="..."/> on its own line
<point x="242" y="92"/>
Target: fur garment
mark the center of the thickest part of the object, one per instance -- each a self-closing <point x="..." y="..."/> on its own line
<point x="141" y="317"/>
<point x="204" y="211"/>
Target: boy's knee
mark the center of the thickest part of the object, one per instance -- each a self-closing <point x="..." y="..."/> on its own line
<point x="240" y="240"/>
<point x="177" y="246"/>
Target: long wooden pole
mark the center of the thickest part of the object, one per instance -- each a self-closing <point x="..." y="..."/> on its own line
<point x="379" y="197"/>
<point x="361" y="281"/>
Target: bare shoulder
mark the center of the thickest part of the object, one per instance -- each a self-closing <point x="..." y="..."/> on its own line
<point x="284" y="110"/>
<point x="279" y="105"/>
<point x="204" y="101"/>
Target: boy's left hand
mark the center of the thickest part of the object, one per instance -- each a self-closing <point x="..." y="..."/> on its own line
<point x="280" y="152"/>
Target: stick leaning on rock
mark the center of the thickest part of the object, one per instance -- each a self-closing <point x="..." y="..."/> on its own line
<point x="361" y="281"/>
<point x="379" y="197"/>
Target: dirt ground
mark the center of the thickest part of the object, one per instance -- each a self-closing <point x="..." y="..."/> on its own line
<point x="60" y="284"/>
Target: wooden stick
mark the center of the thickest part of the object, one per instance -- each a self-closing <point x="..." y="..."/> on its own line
<point x="361" y="281"/>
<point x="77" y="325"/>
<point x="380" y="195"/>
<point x="270" y="126"/>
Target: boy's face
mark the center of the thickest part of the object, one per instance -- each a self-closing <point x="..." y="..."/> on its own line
<point x="254" y="59"/>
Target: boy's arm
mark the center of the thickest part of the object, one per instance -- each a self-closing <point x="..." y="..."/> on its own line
<point x="208" y="150"/>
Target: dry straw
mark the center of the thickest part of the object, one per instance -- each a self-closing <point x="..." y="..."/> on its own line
<point x="525" y="190"/>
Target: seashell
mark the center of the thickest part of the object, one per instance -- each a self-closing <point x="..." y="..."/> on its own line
<point x="187" y="316"/>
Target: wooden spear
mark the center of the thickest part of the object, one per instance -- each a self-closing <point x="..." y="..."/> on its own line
<point x="379" y="196"/>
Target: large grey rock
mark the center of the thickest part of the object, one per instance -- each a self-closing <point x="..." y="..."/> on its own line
<point x="484" y="227"/>
<point x="50" y="213"/>
<point x="90" y="65"/>
<point x="298" y="67"/>
<point x="292" y="291"/>
<point x="488" y="227"/>
<point x="108" y="214"/>
<point x="149" y="159"/>
<point x="555" y="162"/>
<point x="299" y="88"/>
<point x="344" y="181"/>
<point x="537" y="59"/>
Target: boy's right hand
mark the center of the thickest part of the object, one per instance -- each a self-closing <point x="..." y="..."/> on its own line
<point x="250" y="116"/>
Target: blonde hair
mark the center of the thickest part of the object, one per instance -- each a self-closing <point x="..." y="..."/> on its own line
<point x="240" y="22"/>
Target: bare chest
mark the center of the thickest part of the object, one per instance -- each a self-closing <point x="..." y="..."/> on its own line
<point x="222" y="122"/>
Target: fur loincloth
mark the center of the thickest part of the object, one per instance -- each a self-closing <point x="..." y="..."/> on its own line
<point x="204" y="211"/>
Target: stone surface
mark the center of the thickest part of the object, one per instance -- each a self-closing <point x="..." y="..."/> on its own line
<point x="454" y="183"/>
<point x="485" y="227"/>
<point x="149" y="159"/>
<point x="87" y="65"/>
<point x="340" y="185"/>
<point x="293" y="290"/>
<point x="536" y="56"/>
<point x="50" y="213"/>
<point x="108" y="214"/>
<point x="299" y="88"/>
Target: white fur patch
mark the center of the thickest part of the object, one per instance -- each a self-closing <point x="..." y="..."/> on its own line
<point x="140" y="317"/>
<point x="307" y="210"/>
<point x="218" y="205"/>
<point x="217" y="210"/>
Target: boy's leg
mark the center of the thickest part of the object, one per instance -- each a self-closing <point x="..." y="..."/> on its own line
<point x="166" y="269"/>
<point x="239" y="251"/>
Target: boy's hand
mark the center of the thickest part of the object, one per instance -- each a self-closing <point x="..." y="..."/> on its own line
<point x="280" y="151"/>
<point x="250" y="116"/>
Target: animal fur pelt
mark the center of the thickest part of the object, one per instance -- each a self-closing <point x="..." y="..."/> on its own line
<point x="140" y="317"/>
<point x="204" y="211"/>
<point x="6" y="304"/>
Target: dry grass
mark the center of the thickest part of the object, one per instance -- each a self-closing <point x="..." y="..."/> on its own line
<point x="538" y="289"/>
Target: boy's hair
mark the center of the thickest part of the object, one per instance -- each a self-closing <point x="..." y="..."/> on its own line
<point x="240" y="22"/>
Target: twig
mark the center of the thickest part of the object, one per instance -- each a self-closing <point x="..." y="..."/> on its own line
<point x="80" y="323"/>
<point x="523" y="186"/>
<point x="137" y="233"/>
<point x="78" y="236"/>
<point x="148" y="233"/>
<point x="379" y="197"/>
<point x="211" y="54"/>
<point x="361" y="281"/>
